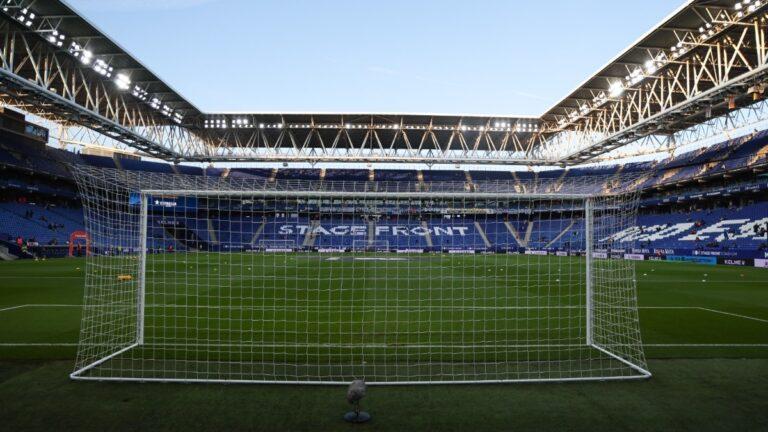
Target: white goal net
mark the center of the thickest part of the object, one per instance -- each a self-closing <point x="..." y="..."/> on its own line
<point x="246" y="280"/>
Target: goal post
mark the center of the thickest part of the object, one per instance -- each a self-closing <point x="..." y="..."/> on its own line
<point x="370" y="245"/>
<point x="218" y="281"/>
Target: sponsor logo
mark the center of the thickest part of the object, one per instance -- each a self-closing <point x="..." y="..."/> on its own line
<point x="536" y="252"/>
<point x="694" y="259"/>
<point x="634" y="257"/>
<point x="164" y="203"/>
<point x="762" y="263"/>
<point x="362" y="230"/>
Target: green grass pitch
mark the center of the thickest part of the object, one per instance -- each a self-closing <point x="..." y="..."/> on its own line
<point x="705" y="331"/>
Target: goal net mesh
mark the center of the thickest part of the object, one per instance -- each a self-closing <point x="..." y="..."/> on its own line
<point x="243" y="279"/>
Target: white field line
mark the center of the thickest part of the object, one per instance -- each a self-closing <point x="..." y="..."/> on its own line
<point x="344" y="308"/>
<point x="341" y="308"/>
<point x="734" y="314"/>
<point x="12" y="308"/>
<point x="707" y="345"/>
<point x="40" y="277"/>
<point x="257" y="345"/>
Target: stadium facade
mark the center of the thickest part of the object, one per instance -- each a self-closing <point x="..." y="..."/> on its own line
<point x="94" y="90"/>
<point x="695" y="81"/>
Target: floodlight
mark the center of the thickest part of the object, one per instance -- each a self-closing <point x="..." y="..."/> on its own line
<point x="616" y="89"/>
<point x="122" y="81"/>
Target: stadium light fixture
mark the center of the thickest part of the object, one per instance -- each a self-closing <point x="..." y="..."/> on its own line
<point x="635" y="76"/>
<point x="25" y="17"/>
<point x="86" y="56"/>
<point x="56" y="38"/>
<point x="650" y="67"/>
<point x="616" y="89"/>
<point x="102" y="68"/>
<point x="140" y="93"/>
<point x="122" y="81"/>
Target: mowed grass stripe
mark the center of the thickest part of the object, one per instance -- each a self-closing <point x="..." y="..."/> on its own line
<point x="663" y="287"/>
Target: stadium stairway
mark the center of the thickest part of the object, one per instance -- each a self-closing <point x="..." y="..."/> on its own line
<point x="515" y="234"/>
<point x="371" y="232"/>
<point x="562" y="233"/>
<point x="310" y="236"/>
<point x="257" y="234"/>
<point x="118" y="162"/>
<point x="6" y="255"/>
<point x="482" y="234"/>
<point x="427" y="235"/>
<point x="186" y="237"/>
<point x="528" y="232"/>
<point x="211" y="231"/>
<point x="519" y="187"/>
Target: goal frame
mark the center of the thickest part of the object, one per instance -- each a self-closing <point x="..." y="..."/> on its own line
<point x="587" y="201"/>
<point x="359" y="246"/>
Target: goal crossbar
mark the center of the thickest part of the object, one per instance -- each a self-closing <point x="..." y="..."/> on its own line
<point x="372" y="194"/>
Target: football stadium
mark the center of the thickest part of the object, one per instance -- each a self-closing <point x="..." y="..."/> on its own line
<point x="602" y="265"/>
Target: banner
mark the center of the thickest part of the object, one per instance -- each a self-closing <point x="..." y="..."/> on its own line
<point x="708" y="260"/>
<point x="762" y="263"/>
<point x="634" y="257"/>
<point x="734" y="261"/>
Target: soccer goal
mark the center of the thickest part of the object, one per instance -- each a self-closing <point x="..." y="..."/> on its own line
<point x="372" y="245"/>
<point x="221" y="282"/>
<point x="277" y="245"/>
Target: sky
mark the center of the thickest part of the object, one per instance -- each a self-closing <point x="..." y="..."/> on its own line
<point x="508" y="57"/>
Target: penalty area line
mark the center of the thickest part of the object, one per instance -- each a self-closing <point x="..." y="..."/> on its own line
<point x="733" y="314"/>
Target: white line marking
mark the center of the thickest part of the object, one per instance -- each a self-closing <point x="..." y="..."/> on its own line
<point x="734" y="314"/>
<point x="173" y="345"/>
<point x="38" y="305"/>
<point x="289" y="308"/>
<point x="36" y="344"/>
<point x="12" y="308"/>
<point x="706" y="345"/>
<point x="40" y="277"/>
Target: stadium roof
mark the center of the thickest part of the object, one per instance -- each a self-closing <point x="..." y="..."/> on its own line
<point x="208" y="134"/>
<point x="689" y="17"/>
<point x="686" y="18"/>
<point x="80" y="29"/>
